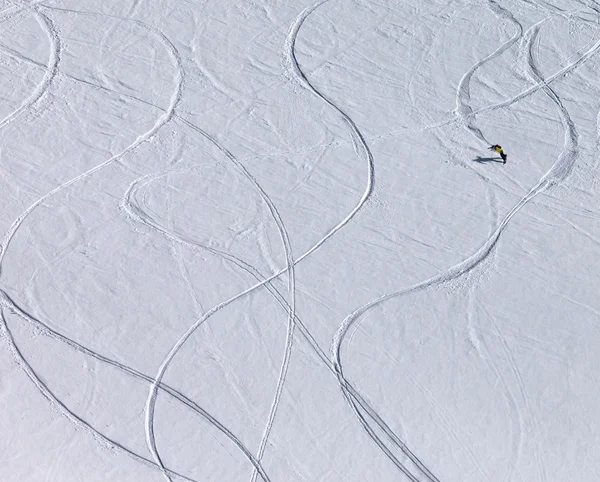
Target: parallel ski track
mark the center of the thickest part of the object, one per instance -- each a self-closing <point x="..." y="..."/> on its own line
<point x="72" y="417"/>
<point x="351" y="395"/>
<point x="358" y="141"/>
<point x="133" y="209"/>
<point x="167" y="116"/>
<point x="451" y="274"/>
<point x="7" y="303"/>
<point x="136" y="213"/>
<point x="150" y="409"/>
<point x="170" y="112"/>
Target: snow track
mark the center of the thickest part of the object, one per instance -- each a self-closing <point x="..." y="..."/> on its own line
<point x="8" y="303"/>
<point x="51" y="71"/>
<point x="64" y="410"/>
<point x="559" y="171"/>
<point x="352" y="396"/>
<point x="161" y="121"/>
<point x="14" y="10"/>
<point x="260" y="128"/>
<point x="463" y="110"/>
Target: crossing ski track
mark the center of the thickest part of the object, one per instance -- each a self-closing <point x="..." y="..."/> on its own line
<point x="380" y="432"/>
<point x="46" y="330"/>
<point x="357" y="137"/>
<point x="163" y="119"/>
<point x="14" y="10"/>
<point x="8" y="303"/>
<point x="137" y="213"/>
<point x="526" y="93"/>
<point x="291" y="325"/>
<point x="558" y="172"/>
<point x="166" y="117"/>
<point x="463" y="111"/>
<point x="51" y="70"/>
<point x="168" y="114"/>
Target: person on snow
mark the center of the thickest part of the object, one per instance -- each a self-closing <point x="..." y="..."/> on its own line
<point x="499" y="150"/>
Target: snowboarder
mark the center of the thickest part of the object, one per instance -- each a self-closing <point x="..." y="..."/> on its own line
<point x="499" y="150"/>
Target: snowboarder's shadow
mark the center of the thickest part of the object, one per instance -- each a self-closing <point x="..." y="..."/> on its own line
<point x="481" y="160"/>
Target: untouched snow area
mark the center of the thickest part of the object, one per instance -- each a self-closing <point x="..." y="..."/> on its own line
<point x="265" y="240"/>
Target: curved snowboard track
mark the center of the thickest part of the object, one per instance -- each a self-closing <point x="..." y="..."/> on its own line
<point x="137" y="214"/>
<point x="463" y="110"/>
<point x="168" y="114"/>
<point x="557" y="173"/>
<point x="46" y="330"/>
<point x="539" y="85"/>
<point x="351" y="394"/>
<point x="291" y="284"/>
<point x="451" y="274"/>
<point x="358" y="141"/>
<point x="161" y="121"/>
<point x="72" y="417"/>
<point x="51" y="70"/>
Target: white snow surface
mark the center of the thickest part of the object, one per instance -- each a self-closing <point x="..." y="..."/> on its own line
<point x="265" y="240"/>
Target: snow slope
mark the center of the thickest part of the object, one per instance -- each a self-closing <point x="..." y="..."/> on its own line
<point x="265" y="240"/>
